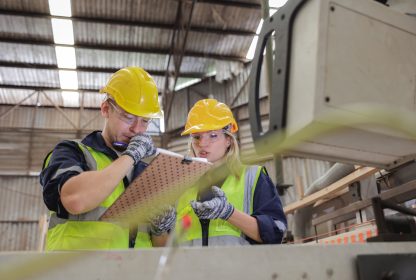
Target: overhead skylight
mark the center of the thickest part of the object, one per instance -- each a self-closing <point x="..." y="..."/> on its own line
<point x="187" y="83"/>
<point x="70" y="98"/>
<point x="252" y="49"/>
<point x="274" y="6"/>
<point x="65" y="57"/>
<point x="63" y="32"/>
<point x="60" y="8"/>
<point x="68" y="79"/>
<point x="277" y="3"/>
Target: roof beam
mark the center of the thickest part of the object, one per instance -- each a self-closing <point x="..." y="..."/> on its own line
<point x="46" y="88"/>
<point x="163" y="51"/>
<point x="89" y="69"/>
<point x="169" y="26"/>
<point x="238" y="4"/>
<point x="178" y="46"/>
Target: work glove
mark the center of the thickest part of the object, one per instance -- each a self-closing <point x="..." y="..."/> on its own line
<point x="140" y="146"/>
<point x="217" y="207"/>
<point x="163" y="222"/>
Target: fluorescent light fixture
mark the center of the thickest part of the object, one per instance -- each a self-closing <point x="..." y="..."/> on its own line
<point x="277" y="3"/>
<point x="65" y="56"/>
<point x="60" y="8"/>
<point x="68" y="79"/>
<point x="70" y="98"/>
<point x="162" y="123"/>
<point x="63" y="32"/>
<point x="187" y="84"/>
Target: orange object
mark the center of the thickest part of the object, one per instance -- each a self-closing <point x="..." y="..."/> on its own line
<point x="186" y="222"/>
<point x="361" y="237"/>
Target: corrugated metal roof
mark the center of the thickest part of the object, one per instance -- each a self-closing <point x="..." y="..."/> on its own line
<point x="21" y="208"/>
<point x="307" y="169"/>
<point x="19" y="236"/>
<point x="221" y="16"/>
<point x="133" y="10"/>
<point x="27" y="53"/>
<point x="219" y="44"/>
<point x="29" y="77"/>
<point x="20" y="199"/>
<point x="111" y="34"/>
<point x="39" y="29"/>
<point x="94" y="80"/>
<point x="119" y="35"/>
<point x="38" y="6"/>
<point x="197" y="64"/>
<point x="119" y="59"/>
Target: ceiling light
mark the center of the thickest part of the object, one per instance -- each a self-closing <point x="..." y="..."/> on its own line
<point x="65" y="57"/>
<point x="68" y="79"/>
<point x="63" y="32"/>
<point x="162" y="123"/>
<point x="60" y="8"/>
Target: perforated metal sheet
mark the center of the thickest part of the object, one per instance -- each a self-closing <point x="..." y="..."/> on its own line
<point x="160" y="184"/>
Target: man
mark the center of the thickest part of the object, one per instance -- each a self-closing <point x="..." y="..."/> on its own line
<point x="82" y="179"/>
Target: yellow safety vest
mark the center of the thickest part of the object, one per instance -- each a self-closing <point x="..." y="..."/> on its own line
<point x="239" y="193"/>
<point x="143" y="238"/>
<point x="84" y="231"/>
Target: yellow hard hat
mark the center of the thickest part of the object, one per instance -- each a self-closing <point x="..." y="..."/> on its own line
<point x="135" y="91"/>
<point x="209" y="114"/>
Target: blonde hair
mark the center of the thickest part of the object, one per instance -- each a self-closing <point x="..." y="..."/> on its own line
<point x="232" y="156"/>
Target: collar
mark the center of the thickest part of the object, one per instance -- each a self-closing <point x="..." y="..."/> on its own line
<point x="96" y="141"/>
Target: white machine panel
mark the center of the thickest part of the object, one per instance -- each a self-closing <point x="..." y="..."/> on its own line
<point x="347" y="57"/>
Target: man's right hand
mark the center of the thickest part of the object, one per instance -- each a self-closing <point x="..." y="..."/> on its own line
<point x="140" y="146"/>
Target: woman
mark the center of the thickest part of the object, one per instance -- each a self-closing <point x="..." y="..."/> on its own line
<point x="243" y="209"/>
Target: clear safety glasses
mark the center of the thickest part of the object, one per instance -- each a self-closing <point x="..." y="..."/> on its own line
<point x="128" y="118"/>
<point x="209" y="137"/>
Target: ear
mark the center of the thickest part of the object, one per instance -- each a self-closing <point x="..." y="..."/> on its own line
<point x="228" y="142"/>
<point x="105" y="109"/>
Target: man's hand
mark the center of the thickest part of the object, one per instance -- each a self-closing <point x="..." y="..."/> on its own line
<point x="140" y="146"/>
<point x="218" y="207"/>
<point x="164" y="222"/>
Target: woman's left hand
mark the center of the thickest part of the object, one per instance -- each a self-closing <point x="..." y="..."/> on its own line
<point x="217" y="207"/>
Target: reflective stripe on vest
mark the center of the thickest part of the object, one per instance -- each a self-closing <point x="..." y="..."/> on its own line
<point x="239" y="193"/>
<point x="84" y="231"/>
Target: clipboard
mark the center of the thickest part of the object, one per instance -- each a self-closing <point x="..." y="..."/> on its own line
<point x="161" y="183"/>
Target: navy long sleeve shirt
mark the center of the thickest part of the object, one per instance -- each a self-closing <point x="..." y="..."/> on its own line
<point x="268" y="210"/>
<point x="67" y="160"/>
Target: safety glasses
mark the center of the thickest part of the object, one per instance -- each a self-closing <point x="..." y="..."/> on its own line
<point x="126" y="117"/>
<point x="209" y="137"/>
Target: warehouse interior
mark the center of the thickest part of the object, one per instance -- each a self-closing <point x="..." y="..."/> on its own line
<point x="57" y="54"/>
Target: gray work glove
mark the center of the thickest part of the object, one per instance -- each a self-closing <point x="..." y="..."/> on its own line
<point x="140" y="146"/>
<point x="218" y="207"/>
<point x="163" y="222"/>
